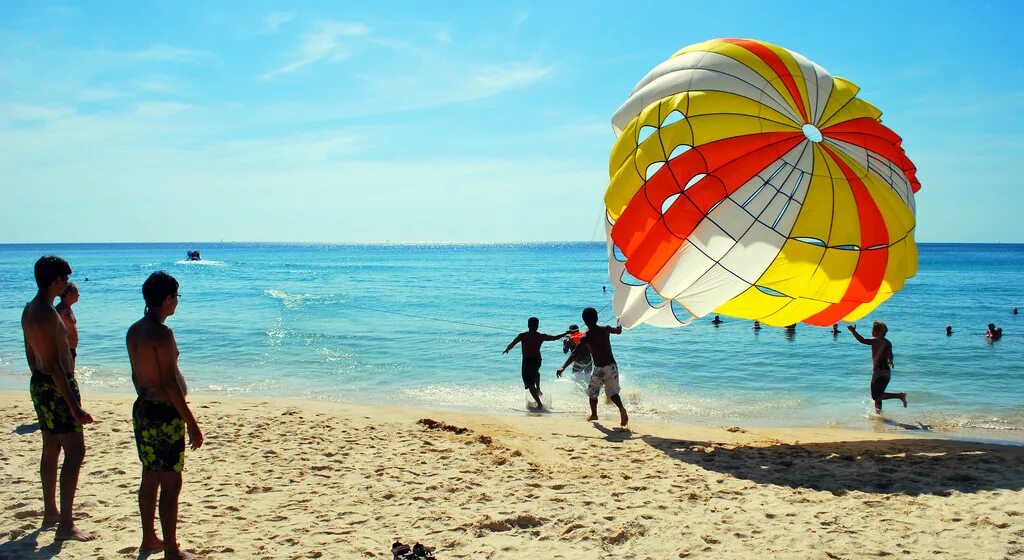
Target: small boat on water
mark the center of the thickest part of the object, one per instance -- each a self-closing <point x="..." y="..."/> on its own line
<point x="193" y="255"/>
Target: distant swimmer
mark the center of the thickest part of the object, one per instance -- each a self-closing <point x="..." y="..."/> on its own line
<point x="604" y="290"/>
<point x="757" y="325"/>
<point x="55" y="397"/>
<point x="532" y="340"/>
<point x="881" y="364"/>
<point x="791" y="328"/>
<point x="993" y="332"/>
<point x="716" y="321"/>
<point x="606" y="372"/>
<point x="835" y="330"/>
<point x="949" y="330"/>
<point x="1013" y="312"/>
<point x="584" y="362"/>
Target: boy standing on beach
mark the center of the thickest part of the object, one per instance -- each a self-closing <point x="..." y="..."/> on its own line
<point x="606" y="372"/>
<point x="55" y="396"/>
<point x="68" y="298"/>
<point x="881" y="364"/>
<point x="532" y="340"/>
<point x="160" y="414"/>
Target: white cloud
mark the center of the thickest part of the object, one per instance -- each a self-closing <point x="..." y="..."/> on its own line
<point x="275" y="20"/>
<point x="28" y="112"/>
<point x="323" y="43"/>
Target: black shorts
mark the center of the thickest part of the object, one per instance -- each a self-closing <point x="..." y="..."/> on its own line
<point x="51" y="409"/>
<point x="159" y="435"/>
<point x="879" y="381"/>
<point x="531" y="372"/>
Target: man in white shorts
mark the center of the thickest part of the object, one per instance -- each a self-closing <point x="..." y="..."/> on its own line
<point x="606" y="371"/>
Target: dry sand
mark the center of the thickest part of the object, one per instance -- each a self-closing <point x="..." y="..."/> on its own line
<point x="298" y="479"/>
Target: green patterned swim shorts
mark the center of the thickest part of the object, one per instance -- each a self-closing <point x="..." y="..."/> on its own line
<point x="53" y="413"/>
<point x="159" y="435"/>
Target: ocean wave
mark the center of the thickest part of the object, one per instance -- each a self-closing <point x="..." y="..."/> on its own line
<point x="203" y="262"/>
<point x="292" y="301"/>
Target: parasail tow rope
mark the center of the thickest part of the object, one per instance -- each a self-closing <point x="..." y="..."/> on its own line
<point x="428" y="318"/>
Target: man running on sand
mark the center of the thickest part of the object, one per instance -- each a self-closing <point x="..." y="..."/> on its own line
<point x="532" y="340"/>
<point x="606" y="372"/>
<point x="55" y="396"/>
<point x="881" y="364"/>
<point x="160" y="414"/>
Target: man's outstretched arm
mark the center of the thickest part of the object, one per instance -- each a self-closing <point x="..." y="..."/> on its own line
<point x="513" y="343"/>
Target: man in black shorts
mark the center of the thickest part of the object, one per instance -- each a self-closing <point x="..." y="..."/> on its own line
<point x="55" y="396"/>
<point x="881" y="364"/>
<point x="532" y="340"/>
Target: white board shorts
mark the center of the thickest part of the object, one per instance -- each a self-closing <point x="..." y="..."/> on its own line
<point x="608" y="376"/>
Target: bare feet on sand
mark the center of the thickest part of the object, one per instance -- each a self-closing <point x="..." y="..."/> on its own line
<point x="903" y="399"/>
<point x="592" y="417"/>
<point x="73" y="533"/>
<point x="178" y="555"/>
<point x="151" y="543"/>
<point x="50" y="518"/>
<point x="623" y="418"/>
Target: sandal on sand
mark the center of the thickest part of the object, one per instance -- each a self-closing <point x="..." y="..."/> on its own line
<point x="401" y="551"/>
<point x="421" y="552"/>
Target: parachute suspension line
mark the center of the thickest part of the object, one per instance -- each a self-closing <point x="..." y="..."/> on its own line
<point x="428" y="318"/>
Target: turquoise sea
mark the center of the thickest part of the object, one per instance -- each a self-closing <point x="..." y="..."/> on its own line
<point x="424" y="326"/>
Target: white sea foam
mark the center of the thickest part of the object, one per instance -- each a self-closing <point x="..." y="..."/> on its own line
<point x="203" y="262"/>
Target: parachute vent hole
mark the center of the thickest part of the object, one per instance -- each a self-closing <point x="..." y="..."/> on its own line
<point x="673" y="117"/>
<point x="681" y="313"/>
<point x="679" y="150"/>
<point x="811" y="241"/>
<point x="644" y="133"/>
<point x="617" y="253"/>
<point x="696" y="178"/>
<point x="876" y="247"/>
<point x="669" y="202"/>
<point x="630" y="280"/>
<point x="654" y="299"/>
<point x="770" y="292"/>
<point x="652" y="169"/>
<point x="847" y="247"/>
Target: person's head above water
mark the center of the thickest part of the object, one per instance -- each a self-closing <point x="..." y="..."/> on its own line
<point x="590" y="316"/>
<point x="880" y="327"/>
<point x="574" y="327"/>
<point x="532" y="323"/>
<point x="157" y="288"/>
<point x="991" y="326"/>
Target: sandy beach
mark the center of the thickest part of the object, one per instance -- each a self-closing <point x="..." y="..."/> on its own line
<point x="303" y="479"/>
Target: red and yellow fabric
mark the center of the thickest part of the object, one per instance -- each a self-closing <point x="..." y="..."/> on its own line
<point x="747" y="181"/>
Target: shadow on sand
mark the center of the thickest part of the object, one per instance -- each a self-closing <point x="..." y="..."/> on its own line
<point x="26" y="429"/>
<point x="908" y="466"/>
<point x="27" y="546"/>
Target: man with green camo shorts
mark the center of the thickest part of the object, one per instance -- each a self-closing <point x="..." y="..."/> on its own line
<point x="161" y="416"/>
<point x="55" y="396"/>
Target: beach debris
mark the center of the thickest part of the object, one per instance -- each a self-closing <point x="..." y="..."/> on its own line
<point x="432" y="424"/>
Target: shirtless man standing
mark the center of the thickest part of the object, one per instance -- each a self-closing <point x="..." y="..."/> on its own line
<point x="68" y="298"/>
<point x="160" y="414"/>
<point x="606" y="372"/>
<point x="55" y="396"/>
<point x="532" y="340"/>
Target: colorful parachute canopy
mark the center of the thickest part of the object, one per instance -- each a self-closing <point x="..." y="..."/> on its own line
<point x="747" y="181"/>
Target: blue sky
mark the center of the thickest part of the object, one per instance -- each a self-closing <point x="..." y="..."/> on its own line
<point x="443" y="121"/>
